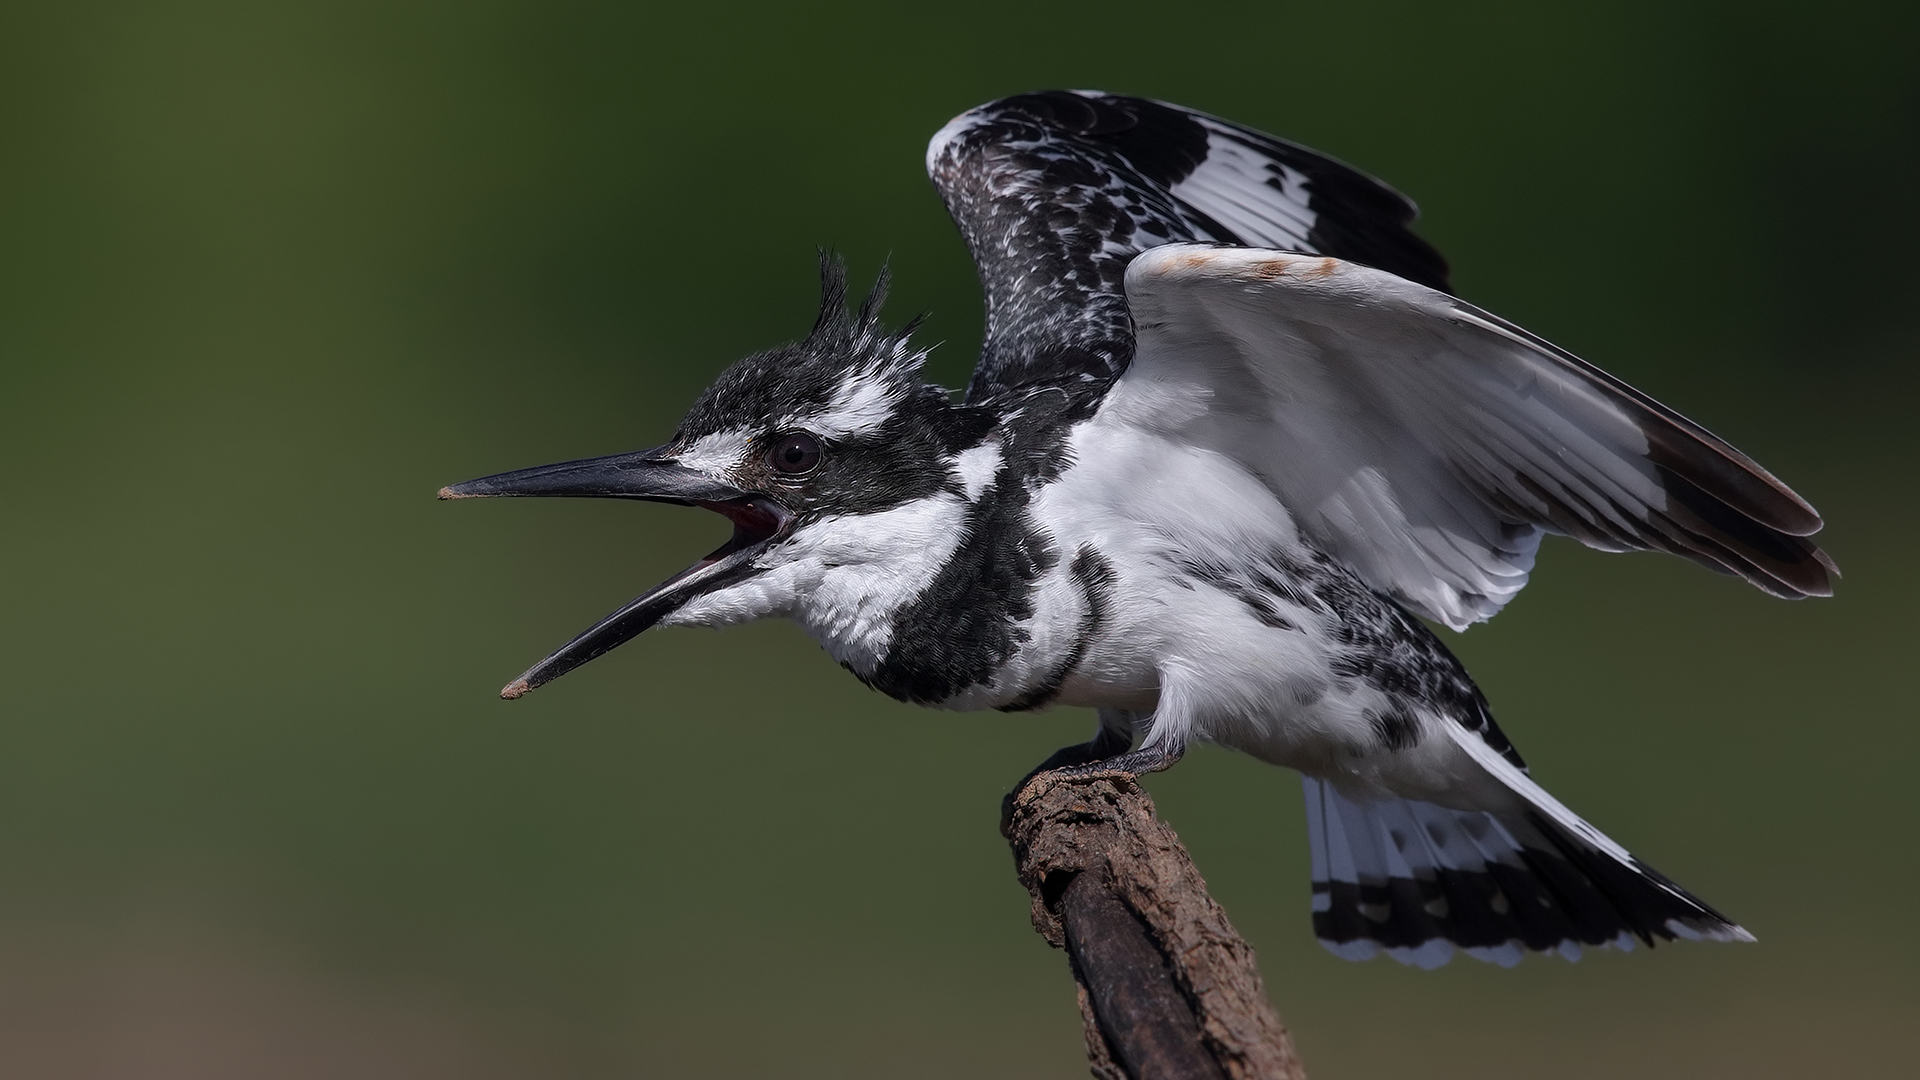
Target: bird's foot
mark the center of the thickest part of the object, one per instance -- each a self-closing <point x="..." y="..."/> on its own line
<point x="1105" y="755"/>
<point x="1107" y="745"/>
<point x="1149" y="758"/>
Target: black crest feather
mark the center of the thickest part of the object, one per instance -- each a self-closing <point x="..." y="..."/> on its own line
<point x="843" y="345"/>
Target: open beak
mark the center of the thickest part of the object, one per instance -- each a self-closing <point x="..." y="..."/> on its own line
<point x="653" y="476"/>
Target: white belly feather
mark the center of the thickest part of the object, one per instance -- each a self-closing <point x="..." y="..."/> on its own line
<point x="1200" y="660"/>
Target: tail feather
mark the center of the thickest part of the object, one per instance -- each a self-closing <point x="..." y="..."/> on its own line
<point x="1466" y="886"/>
<point x="1419" y="909"/>
<point x="1419" y="880"/>
<point x="1519" y="898"/>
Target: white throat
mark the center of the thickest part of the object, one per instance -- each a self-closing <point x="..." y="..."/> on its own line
<point x="843" y="578"/>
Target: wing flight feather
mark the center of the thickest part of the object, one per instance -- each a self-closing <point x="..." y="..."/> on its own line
<point x="1429" y="444"/>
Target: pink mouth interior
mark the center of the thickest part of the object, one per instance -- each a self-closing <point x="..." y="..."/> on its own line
<point x="753" y="522"/>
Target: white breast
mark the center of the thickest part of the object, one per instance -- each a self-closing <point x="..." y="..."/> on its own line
<point x="1151" y="505"/>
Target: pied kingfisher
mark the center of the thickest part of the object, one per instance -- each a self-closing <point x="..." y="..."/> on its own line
<point x="1230" y="439"/>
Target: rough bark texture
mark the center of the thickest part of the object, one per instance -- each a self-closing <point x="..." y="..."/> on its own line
<point x="1167" y="989"/>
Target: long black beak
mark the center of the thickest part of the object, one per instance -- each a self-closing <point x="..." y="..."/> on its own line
<point x="643" y="474"/>
<point x="647" y="474"/>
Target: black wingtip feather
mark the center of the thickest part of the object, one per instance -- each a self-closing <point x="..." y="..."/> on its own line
<point x="1725" y="511"/>
<point x="1680" y="446"/>
<point x="1710" y="531"/>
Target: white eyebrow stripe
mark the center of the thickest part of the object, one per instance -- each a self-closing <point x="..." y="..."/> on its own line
<point x="862" y="404"/>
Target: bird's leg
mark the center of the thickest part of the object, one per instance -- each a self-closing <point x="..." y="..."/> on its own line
<point x="1107" y="751"/>
<point x="1108" y="740"/>
<point x="1108" y="743"/>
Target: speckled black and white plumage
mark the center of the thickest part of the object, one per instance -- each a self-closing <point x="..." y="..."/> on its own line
<point x="1230" y="438"/>
<point x="1375" y="642"/>
<point x="1057" y="191"/>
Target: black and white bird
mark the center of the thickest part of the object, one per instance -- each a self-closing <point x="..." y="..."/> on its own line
<point x="1229" y="441"/>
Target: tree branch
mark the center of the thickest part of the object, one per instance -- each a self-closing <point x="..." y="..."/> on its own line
<point x="1168" y="990"/>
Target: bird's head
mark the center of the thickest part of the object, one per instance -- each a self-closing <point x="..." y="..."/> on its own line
<point x="788" y="445"/>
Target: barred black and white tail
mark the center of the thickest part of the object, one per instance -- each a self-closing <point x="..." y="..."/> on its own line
<point x="1419" y="880"/>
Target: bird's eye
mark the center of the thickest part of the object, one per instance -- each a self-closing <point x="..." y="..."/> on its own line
<point x="796" y="453"/>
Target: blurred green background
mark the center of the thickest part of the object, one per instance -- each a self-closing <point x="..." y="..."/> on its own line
<point x="272" y="273"/>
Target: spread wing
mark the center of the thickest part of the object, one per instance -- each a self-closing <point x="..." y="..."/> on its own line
<point x="1055" y="192"/>
<point x="1426" y="443"/>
